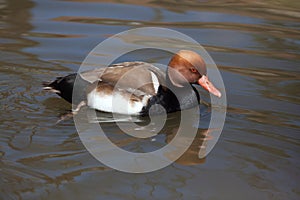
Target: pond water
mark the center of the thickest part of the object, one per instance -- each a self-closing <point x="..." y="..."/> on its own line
<point x="256" y="46"/>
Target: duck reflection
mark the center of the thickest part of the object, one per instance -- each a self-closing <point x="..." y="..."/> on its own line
<point x="122" y="129"/>
<point x="196" y="152"/>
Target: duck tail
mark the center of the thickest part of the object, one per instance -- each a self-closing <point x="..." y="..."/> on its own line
<point x="63" y="86"/>
<point x="52" y="86"/>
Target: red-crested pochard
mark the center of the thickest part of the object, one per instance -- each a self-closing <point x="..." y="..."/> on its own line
<point x="133" y="87"/>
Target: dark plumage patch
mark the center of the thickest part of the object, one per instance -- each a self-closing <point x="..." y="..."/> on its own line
<point x="63" y="86"/>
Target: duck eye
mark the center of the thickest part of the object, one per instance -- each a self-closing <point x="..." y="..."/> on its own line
<point x="193" y="70"/>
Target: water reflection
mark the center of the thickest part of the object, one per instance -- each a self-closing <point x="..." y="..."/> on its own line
<point x="254" y="43"/>
<point x="121" y="129"/>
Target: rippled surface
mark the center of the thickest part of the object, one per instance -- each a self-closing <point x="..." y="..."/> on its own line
<point x="256" y="47"/>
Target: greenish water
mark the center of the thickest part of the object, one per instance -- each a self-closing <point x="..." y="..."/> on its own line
<point x="256" y="47"/>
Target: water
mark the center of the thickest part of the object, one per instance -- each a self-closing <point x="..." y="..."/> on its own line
<point x="256" y="47"/>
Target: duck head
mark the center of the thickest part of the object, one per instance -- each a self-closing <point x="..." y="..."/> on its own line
<point x="188" y="66"/>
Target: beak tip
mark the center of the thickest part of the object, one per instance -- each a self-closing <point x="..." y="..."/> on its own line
<point x="217" y="94"/>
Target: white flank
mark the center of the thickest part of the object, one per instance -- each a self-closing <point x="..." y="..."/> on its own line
<point x="118" y="102"/>
<point x="155" y="82"/>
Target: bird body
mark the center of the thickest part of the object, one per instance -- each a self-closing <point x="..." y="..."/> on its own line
<point x="132" y="88"/>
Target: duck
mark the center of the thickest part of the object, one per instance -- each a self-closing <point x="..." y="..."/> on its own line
<point x="133" y="88"/>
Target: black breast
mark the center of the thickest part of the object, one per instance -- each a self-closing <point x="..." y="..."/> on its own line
<point x="186" y="97"/>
